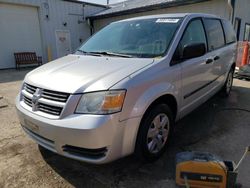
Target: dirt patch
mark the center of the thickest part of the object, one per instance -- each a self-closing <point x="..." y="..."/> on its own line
<point x="24" y="164"/>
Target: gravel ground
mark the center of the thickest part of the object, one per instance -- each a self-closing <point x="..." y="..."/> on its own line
<point x="212" y="127"/>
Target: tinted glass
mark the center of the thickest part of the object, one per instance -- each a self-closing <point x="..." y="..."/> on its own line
<point x="140" y="38"/>
<point x="229" y="32"/>
<point x="194" y="34"/>
<point x="214" y="33"/>
<point x="247" y="32"/>
<point x="237" y="26"/>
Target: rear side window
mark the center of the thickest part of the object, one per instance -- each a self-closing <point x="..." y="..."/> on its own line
<point x="247" y="32"/>
<point x="215" y="33"/>
<point x="229" y="32"/>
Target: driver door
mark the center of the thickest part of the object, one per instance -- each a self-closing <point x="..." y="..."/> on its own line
<point x="195" y="72"/>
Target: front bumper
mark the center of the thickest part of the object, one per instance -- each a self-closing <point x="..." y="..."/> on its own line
<point x="94" y="139"/>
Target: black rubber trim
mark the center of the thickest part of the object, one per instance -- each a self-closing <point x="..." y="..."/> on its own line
<point x="202" y="177"/>
<point x="202" y="87"/>
<point x="83" y="152"/>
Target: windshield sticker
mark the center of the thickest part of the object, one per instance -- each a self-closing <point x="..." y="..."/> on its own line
<point x="167" y="20"/>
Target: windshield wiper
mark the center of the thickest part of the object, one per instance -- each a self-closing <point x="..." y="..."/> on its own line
<point x="111" y="54"/>
<point x="89" y="53"/>
<point x="106" y="54"/>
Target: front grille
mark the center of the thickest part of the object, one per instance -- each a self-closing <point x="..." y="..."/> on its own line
<point x="27" y="101"/>
<point x="49" y="109"/>
<point x="55" y="96"/>
<point x="43" y="100"/>
<point x="29" y="88"/>
<point x="83" y="152"/>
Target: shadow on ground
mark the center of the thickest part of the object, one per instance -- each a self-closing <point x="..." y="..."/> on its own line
<point x="12" y="75"/>
<point x="205" y="129"/>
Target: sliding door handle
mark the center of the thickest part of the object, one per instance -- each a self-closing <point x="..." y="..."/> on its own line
<point x="208" y="61"/>
<point x="216" y="58"/>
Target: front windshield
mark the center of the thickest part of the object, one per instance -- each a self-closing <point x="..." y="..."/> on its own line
<point x="146" y="38"/>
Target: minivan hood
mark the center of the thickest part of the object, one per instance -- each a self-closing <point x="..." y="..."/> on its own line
<point x="80" y="73"/>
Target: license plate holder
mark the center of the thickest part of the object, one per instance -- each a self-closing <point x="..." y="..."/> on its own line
<point x="31" y="126"/>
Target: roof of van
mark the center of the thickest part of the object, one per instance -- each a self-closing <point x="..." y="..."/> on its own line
<point x="177" y="15"/>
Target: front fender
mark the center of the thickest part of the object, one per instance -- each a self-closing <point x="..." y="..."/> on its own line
<point x="136" y="104"/>
<point x="145" y="99"/>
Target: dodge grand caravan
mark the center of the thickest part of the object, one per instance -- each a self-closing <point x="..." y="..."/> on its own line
<point x="122" y="91"/>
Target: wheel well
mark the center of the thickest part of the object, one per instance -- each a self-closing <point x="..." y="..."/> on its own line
<point x="166" y="99"/>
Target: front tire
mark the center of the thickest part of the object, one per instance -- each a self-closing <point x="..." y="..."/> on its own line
<point x="154" y="132"/>
<point x="228" y="84"/>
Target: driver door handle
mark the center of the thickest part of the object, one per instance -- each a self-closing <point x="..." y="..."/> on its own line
<point x="208" y="61"/>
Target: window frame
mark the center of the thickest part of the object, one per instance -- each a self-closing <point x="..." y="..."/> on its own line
<point x="225" y="37"/>
<point x="208" y="50"/>
<point x="172" y="62"/>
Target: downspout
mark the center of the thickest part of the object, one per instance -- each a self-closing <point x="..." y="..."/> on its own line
<point x="91" y="24"/>
<point x="231" y="4"/>
<point x="88" y="20"/>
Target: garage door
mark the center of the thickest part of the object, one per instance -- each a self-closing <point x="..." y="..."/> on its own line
<point x="19" y="32"/>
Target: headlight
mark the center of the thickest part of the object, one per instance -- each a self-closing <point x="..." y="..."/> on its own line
<point x="104" y="102"/>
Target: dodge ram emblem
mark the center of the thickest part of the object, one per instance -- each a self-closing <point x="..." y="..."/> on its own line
<point x="36" y="96"/>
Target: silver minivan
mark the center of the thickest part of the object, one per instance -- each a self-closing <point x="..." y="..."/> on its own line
<point x="123" y="90"/>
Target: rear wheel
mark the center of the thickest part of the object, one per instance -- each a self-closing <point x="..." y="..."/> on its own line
<point x="154" y="132"/>
<point x="228" y="84"/>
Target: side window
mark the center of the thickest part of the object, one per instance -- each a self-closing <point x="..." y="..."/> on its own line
<point x="229" y="32"/>
<point x="215" y="33"/>
<point x="237" y="26"/>
<point x="247" y="32"/>
<point x="194" y="34"/>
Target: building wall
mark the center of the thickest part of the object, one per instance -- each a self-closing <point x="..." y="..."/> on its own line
<point x="242" y="12"/>
<point x="19" y="32"/>
<point x="59" y="12"/>
<point x="218" y="7"/>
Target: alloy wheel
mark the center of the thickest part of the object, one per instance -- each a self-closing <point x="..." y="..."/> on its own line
<point x="158" y="133"/>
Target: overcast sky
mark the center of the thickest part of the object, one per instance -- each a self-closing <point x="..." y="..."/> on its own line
<point x="103" y="1"/>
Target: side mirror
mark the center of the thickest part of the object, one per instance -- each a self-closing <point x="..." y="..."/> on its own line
<point x="193" y="50"/>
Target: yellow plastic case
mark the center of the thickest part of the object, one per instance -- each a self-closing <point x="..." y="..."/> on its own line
<point x="201" y="170"/>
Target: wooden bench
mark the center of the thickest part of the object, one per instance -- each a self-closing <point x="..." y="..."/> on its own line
<point x="23" y="58"/>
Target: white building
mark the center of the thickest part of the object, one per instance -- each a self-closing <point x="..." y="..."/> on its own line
<point x="237" y="11"/>
<point x="51" y="28"/>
